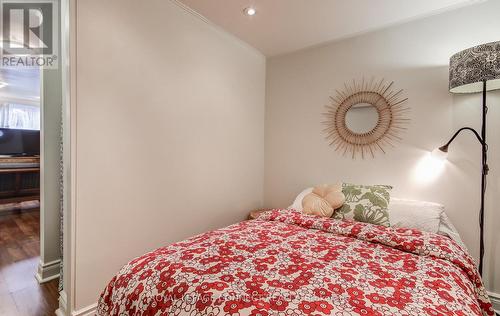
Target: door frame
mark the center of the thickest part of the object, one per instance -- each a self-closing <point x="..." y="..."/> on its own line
<point x="68" y="19"/>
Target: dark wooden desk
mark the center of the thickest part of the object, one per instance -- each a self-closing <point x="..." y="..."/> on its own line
<point x="17" y="182"/>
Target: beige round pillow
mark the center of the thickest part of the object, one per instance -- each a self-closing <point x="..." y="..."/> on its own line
<point x="324" y="200"/>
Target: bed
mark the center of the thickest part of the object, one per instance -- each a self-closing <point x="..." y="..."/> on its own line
<point x="289" y="263"/>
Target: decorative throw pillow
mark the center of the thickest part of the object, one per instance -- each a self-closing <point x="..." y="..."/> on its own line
<point x="323" y="200"/>
<point x="365" y="203"/>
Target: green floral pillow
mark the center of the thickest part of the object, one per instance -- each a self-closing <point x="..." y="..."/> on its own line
<point x="365" y="203"/>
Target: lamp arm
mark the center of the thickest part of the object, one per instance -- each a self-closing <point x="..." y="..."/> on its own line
<point x="458" y="132"/>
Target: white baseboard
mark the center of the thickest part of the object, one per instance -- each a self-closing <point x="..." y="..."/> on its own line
<point x="63" y="305"/>
<point x="90" y="310"/>
<point x="495" y="300"/>
<point x="48" y="271"/>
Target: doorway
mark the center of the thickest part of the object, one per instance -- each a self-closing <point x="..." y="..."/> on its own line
<point x="30" y="120"/>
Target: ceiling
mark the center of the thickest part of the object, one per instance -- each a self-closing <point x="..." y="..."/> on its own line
<point x="282" y="26"/>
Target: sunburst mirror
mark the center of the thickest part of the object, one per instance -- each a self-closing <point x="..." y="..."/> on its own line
<point x="365" y="117"/>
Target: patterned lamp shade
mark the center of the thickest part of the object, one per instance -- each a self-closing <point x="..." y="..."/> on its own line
<point x="470" y="67"/>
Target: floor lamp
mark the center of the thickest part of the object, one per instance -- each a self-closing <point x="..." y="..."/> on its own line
<point x="476" y="69"/>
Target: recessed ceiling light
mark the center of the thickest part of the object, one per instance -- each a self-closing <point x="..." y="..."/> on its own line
<point x="250" y="11"/>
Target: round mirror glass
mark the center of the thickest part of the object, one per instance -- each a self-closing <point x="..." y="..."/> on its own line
<point x="361" y="118"/>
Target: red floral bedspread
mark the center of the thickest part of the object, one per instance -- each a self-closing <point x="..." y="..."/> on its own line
<point x="287" y="263"/>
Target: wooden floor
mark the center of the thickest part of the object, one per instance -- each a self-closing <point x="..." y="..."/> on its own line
<point x="20" y="293"/>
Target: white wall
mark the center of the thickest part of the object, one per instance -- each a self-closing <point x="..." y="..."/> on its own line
<point x="51" y="100"/>
<point x="415" y="55"/>
<point x="49" y="195"/>
<point x="169" y="129"/>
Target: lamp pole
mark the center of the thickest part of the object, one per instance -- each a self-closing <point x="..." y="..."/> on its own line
<point x="483" y="180"/>
<point x="484" y="173"/>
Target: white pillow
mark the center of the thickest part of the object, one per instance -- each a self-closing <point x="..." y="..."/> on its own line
<point x="421" y="215"/>
<point x="446" y="228"/>
<point x="426" y="216"/>
<point x="297" y="204"/>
